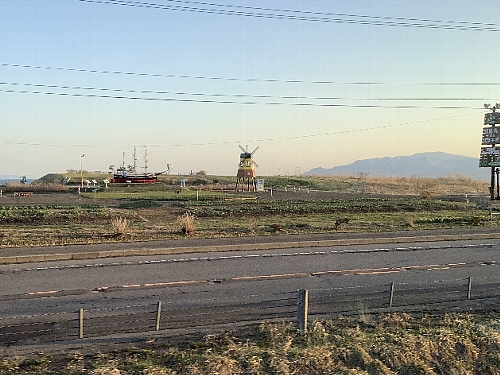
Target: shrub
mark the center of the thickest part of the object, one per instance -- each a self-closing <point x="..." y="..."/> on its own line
<point x="187" y="223"/>
<point x="120" y="225"/>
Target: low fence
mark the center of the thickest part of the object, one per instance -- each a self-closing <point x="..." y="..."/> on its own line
<point x="403" y="296"/>
<point x="296" y="306"/>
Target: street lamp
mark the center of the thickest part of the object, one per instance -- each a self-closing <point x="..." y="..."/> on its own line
<point x="81" y="170"/>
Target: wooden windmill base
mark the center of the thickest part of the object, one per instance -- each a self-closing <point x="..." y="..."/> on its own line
<point x="251" y="183"/>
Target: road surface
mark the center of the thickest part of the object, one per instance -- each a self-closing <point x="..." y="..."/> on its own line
<point x="216" y="274"/>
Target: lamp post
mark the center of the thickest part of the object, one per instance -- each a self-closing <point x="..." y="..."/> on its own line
<point x="81" y="170"/>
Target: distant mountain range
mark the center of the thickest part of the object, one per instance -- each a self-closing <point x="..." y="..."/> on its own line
<point x="427" y="164"/>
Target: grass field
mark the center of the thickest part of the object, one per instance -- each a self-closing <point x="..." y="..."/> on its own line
<point x="58" y="215"/>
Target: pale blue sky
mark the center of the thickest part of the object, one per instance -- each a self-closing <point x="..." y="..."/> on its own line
<point x="205" y="82"/>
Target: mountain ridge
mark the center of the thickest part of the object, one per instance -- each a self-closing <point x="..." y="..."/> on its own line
<point x="426" y="164"/>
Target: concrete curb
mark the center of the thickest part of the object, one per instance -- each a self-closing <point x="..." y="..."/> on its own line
<point x="19" y="259"/>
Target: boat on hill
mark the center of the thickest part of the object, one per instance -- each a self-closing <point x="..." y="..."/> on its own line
<point x="129" y="174"/>
<point x="124" y="177"/>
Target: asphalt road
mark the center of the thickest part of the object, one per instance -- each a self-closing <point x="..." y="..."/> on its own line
<point x="184" y="278"/>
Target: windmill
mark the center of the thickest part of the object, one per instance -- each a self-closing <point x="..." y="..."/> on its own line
<point x="246" y="169"/>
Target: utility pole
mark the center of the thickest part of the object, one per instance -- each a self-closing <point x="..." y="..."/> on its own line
<point x="81" y="170"/>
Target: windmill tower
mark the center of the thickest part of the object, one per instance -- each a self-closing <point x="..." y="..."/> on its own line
<point x="246" y="170"/>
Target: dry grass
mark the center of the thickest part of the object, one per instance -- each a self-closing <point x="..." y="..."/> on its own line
<point x="396" y="343"/>
<point x="424" y="186"/>
<point x="120" y="226"/>
<point x="35" y="188"/>
<point x="187" y="223"/>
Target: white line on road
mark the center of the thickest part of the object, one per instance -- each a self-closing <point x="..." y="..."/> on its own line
<point x="245" y="256"/>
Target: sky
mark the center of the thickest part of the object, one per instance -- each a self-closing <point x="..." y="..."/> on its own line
<point x="317" y="83"/>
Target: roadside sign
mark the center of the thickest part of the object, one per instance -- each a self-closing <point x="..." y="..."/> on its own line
<point x="491" y="135"/>
<point x="492" y="118"/>
<point x="489" y="155"/>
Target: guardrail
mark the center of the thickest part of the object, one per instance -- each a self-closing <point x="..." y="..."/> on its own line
<point x="296" y="306"/>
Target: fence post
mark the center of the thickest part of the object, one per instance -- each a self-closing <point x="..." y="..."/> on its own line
<point x="469" y="287"/>
<point x="391" y="294"/>
<point x="80" y="318"/>
<point x="158" y="315"/>
<point x="303" y="310"/>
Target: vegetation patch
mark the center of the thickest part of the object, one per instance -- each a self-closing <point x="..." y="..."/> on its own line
<point x="51" y="213"/>
<point x="467" y="220"/>
<point x="297" y="205"/>
<point x="304" y="207"/>
<point x="143" y="203"/>
<point x="395" y="343"/>
<point x="165" y="195"/>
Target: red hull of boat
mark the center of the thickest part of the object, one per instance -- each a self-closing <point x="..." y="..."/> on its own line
<point x="133" y="180"/>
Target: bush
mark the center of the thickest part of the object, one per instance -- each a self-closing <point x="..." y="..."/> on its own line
<point x="120" y="225"/>
<point x="187" y="223"/>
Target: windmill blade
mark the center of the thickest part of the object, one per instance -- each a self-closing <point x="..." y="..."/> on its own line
<point x="254" y="163"/>
<point x="253" y="152"/>
<point x="243" y="149"/>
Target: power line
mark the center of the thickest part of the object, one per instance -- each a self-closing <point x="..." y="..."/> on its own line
<point x="300" y="15"/>
<point x="202" y="77"/>
<point x="180" y="93"/>
<point x="238" y="96"/>
<point x="347" y="131"/>
<point x="215" y="101"/>
<point x="343" y="131"/>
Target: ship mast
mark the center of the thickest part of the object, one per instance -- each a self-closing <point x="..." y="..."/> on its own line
<point x="135" y="162"/>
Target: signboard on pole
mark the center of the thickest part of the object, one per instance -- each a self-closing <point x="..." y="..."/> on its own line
<point x="490" y="156"/>
<point x="491" y="135"/>
<point x="492" y="118"/>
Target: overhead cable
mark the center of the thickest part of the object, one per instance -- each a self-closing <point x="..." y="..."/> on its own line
<point x="301" y="15"/>
<point x="201" y="77"/>
<point x="215" y="101"/>
<point x="237" y="96"/>
<point x="346" y="131"/>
